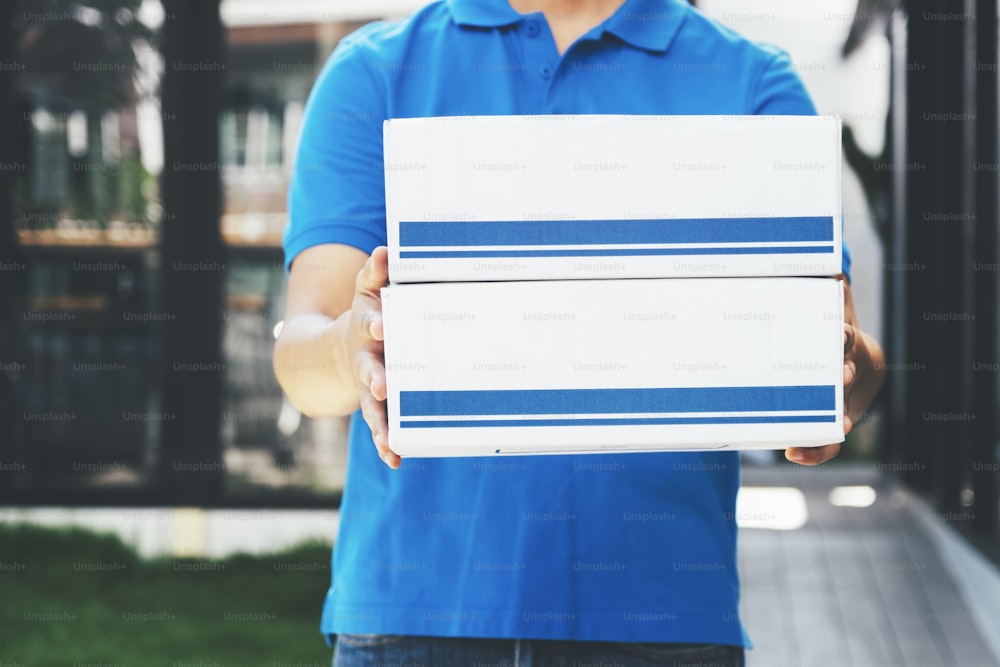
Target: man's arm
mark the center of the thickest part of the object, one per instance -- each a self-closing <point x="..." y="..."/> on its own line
<point x="864" y="368"/>
<point x="329" y="356"/>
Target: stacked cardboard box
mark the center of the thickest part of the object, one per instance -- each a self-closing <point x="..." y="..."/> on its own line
<point x="609" y="283"/>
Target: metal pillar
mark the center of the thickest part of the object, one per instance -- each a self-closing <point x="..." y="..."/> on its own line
<point x="191" y="253"/>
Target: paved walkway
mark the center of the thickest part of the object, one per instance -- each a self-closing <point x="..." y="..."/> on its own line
<point x="854" y="586"/>
<point x="823" y="585"/>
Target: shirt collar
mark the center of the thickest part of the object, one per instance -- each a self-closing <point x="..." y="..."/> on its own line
<point x="648" y="24"/>
<point x="645" y="24"/>
<point x="483" y="13"/>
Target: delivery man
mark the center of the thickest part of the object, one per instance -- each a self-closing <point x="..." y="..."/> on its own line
<point x="547" y="560"/>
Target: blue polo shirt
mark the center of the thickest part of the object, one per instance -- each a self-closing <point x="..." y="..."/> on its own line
<point x="631" y="547"/>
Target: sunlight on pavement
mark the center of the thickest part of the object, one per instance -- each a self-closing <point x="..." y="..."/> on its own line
<point x="852" y="496"/>
<point x="771" y="508"/>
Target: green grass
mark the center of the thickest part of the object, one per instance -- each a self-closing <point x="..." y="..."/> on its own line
<point x="72" y="597"/>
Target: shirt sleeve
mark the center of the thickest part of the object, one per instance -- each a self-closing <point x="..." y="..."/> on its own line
<point x="337" y="192"/>
<point x="780" y="92"/>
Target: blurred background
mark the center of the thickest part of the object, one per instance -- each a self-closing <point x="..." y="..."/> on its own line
<point x="145" y="151"/>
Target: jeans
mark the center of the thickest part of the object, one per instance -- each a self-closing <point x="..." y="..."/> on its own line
<point x="408" y="651"/>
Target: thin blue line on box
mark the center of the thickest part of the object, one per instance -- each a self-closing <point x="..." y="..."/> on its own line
<point x="618" y="421"/>
<point x="465" y="233"/>
<point x="616" y="252"/>
<point x="635" y="401"/>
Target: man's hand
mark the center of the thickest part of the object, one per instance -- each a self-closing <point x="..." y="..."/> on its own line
<point x="863" y="370"/>
<point x="329" y="356"/>
<point x="365" y="346"/>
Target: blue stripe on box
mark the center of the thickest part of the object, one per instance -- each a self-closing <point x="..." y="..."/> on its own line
<point x="620" y="421"/>
<point x="463" y="233"/>
<point x="617" y="252"/>
<point x="514" y="402"/>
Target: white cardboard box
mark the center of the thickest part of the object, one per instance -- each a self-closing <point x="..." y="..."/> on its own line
<point x="568" y="197"/>
<point x="478" y="369"/>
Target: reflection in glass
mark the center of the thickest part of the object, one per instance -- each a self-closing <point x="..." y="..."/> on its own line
<point x="274" y="56"/>
<point x="87" y="211"/>
<point x="89" y="97"/>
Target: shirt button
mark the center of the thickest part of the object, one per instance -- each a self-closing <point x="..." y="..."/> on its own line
<point x="545" y="71"/>
<point x="531" y="27"/>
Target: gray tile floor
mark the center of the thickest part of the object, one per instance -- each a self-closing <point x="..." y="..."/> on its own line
<point x="853" y="587"/>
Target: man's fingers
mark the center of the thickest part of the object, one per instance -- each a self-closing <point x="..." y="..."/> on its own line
<point x="375" y="272"/>
<point x="367" y="338"/>
<point x="368" y="320"/>
<point x="377" y="385"/>
<point x="367" y="307"/>
<point x="371" y="374"/>
<point x="850" y="373"/>
<point x="850" y="376"/>
<point x="375" y="327"/>
<point x="849" y="336"/>
<point x="372" y="389"/>
<point x="810" y="456"/>
<point x="374" y="413"/>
